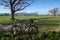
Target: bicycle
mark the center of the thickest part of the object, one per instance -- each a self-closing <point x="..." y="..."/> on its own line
<point x="23" y="28"/>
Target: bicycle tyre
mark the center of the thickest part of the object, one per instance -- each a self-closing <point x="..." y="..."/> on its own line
<point x="16" y="29"/>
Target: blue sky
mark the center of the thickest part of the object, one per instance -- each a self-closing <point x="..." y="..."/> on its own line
<point x="40" y="6"/>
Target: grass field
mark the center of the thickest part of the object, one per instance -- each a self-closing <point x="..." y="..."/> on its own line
<point x="8" y="18"/>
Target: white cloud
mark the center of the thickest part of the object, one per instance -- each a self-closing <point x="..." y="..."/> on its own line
<point x="2" y="6"/>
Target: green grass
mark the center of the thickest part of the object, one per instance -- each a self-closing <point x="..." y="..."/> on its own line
<point x="49" y="20"/>
<point x="8" y="18"/>
<point x="49" y="35"/>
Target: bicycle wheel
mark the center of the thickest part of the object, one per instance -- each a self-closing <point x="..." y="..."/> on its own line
<point x="16" y="29"/>
<point x="33" y="29"/>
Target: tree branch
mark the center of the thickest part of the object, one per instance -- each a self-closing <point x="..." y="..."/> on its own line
<point x="23" y="7"/>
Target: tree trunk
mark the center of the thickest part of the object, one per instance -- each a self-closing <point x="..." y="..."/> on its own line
<point x="12" y="11"/>
<point x="12" y="16"/>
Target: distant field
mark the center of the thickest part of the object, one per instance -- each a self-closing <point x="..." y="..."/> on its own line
<point x="49" y="19"/>
<point x="8" y="18"/>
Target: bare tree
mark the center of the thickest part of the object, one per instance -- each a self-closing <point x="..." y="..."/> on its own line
<point x="16" y="5"/>
<point x="54" y="11"/>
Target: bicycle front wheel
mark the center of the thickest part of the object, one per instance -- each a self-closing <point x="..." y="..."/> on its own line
<point x="33" y="29"/>
<point x="16" y="29"/>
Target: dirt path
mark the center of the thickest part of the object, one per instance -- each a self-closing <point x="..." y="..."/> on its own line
<point x="57" y="29"/>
